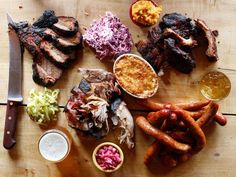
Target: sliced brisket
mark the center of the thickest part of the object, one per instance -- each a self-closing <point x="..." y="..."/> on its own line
<point x="44" y="72"/>
<point x="52" y="41"/>
<point x="66" y="26"/>
<point x="31" y="39"/>
<point x="59" y="58"/>
<point x="66" y="44"/>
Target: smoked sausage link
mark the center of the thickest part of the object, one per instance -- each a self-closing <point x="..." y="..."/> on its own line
<point x="161" y="137"/>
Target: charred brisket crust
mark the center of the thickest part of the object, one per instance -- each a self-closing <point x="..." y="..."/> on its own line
<point x="67" y="59"/>
<point x="46" y="20"/>
<point x="30" y="38"/>
<point x="66" y="38"/>
<point x="74" y="42"/>
<point x="18" y="26"/>
<point x="66" y="26"/>
<point x="178" y="58"/>
<point x="68" y="48"/>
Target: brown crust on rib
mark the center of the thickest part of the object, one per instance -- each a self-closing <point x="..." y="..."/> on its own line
<point x="211" y="51"/>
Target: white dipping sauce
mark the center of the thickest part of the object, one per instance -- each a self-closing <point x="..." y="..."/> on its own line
<point x="53" y="146"/>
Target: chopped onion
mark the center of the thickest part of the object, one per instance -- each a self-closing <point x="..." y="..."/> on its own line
<point x="108" y="157"/>
<point x="42" y="106"/>
<point x="108" y="37"/>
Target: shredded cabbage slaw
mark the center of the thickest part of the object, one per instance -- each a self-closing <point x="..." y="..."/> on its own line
<point x="108" y="37"/>
<point x="42" y="106"/>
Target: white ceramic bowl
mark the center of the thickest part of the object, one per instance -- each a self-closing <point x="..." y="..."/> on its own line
<point x="144" y="96"/>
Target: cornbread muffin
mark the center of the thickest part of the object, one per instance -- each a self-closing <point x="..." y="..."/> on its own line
<point x="136" y="76"/>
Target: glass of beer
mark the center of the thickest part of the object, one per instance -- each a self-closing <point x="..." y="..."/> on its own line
<point x="215" y="86"/>
<point x="54" y="145"/>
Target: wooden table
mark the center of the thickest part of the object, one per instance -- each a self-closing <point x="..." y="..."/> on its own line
<point x="218" y="157"/>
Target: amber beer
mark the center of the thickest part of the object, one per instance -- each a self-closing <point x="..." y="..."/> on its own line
<point x="54" y="145"/>
<point x="215" y="85"/>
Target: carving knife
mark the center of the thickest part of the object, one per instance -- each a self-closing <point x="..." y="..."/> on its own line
<point x="14" y="98"/>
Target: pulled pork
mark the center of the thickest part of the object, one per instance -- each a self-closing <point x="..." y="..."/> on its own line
<point x="96" y="104"/>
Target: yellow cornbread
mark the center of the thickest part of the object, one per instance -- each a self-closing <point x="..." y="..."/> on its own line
<point x="136" y="76"/>
<point x="145" y="12"/>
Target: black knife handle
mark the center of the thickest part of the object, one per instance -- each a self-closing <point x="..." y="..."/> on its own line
<point x="10" y="124"/>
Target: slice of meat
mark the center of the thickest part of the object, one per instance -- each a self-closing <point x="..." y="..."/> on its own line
<point x="64" y="44"/>
<point x="66" y="26"/>
<point x="45" y="73"/>
<point x="46" y="20"/>
<point x="211" y="51"/>
<point x="59" y="58"/>
<point x="178" y="58"/>
<point x="150" y="53"/>
<point x="70" y="43"/>
<point x="31" y="39"/>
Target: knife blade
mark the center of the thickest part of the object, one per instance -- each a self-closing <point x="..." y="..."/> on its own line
<point x="14" y="86"/>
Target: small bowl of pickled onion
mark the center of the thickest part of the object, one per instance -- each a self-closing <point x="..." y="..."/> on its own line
<point x="108" y="157"/>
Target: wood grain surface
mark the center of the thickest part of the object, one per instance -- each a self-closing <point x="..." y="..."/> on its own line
<point x="174" y="86"/>
<point x="216" y="160"/>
